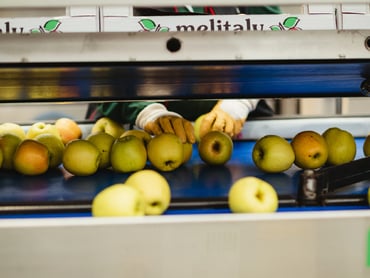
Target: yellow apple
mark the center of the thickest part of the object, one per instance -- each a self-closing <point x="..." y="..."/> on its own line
<point x="81" y="157"/>
<point x="118" y="200"/>
<point x="103" y="141"/>
<point x="109" y="126"/>
<point x="188" y="151"/>
<point x="310" y="149"/>
<point x="273" y="154"/>
<point x="8" y="145"/>
<point x="31" y="158"/>
<point x="155" y="189"/>
<point x="68" y="129"/>
<point x="1" y="158"/>
<point x="141" y="134"/>
<point x="128" y="154"/>
<point x="165" y="152"/>
<point x="197" y="124"/>
<point x="215" y="148"/>
<point x="14" y="128"/>
<point x="341" y="146"/>
<point x="366" y="146"/>
<point x="55" y="147"/>
<point x="252" y="194"/>
<point x="41" y="128"/>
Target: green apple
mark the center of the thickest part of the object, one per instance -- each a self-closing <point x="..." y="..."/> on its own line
<point x="109" y="126"/>
<point x="8" y="145"/>
<point x="366" y="146"/>
<point x="188" y="151"/>
<point x="252" y="194"/>
<point x="104" y="142"/>
<point x="128" y="154"/>
<point x="310" y="149"/>
<point x="118" y="200"/>
<point x="166" y="152"/>
<point x="55" y="146"/>
<point x="197" y="124"/>
<point x="341" y="146"/>
<point x="13" y="128"/>
<point x="31" y="158"/>
<point x="41" y="128"/>
<point x="141" y="134"/>
<point x="273" y="154"/>
<point x="155" y="189"/>
<point x="81" y="157"/>
<point x="215" y="148"/>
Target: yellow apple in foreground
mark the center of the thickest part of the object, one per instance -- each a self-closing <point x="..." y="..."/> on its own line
<point x="366" y="146"/>
<point x="341" y="146"/>
<point x="106" y="124"/>
<point x="8" y="145"/>
<point x="81" y="157"/>
<point x="310" y="149"/>
<point x="215" y="148"/>
<point x="273" y="154"/>
<point x="252" y="194"/>
<point x="155" y="189"/>
<point x="31" y="158"/>
<point x="118" y="200"/>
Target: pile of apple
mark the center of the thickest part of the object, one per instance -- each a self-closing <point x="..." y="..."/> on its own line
<point x="308" y="149"/>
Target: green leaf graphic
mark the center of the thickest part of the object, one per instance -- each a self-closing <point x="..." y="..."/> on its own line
<point x="291" y="22"/>
<point x="51" y="25"/>
<point x="147" y="24"/>
<point x="164" y="29"/>
<point x="275" y="28"/>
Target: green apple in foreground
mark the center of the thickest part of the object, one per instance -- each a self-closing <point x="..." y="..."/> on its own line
<point x="8" y="145"/>
<point x="341" y="146"/>
<point x="155" y="189"/>
<point x="252" y="194"/>
<point x="109" y="126"/>
<point x="273" y="154"/>
<point x="104" y="142"/>
<point x="128" y="154"/>
<point x="215" y="148"/>
<point x="81" y="157"/>
<point x="366" y="146"/>
<point x="166" y="152"/>
<point x="41" y="128"/>
<point x="118" y="200"/>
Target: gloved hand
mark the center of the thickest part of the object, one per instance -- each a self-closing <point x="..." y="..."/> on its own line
<point x="156" y="119"/>
<point x="227" y="116"/>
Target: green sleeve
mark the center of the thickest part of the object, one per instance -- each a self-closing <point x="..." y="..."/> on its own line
<point x="123" y="112"/>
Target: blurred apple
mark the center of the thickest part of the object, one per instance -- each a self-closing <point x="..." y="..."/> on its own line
<point x="166" y="152"/>
<point x="273" y="154"/>
<point x="215" y="148"/>
<point x="366" y="146"/>
<point x="141" y="134"/>
<point x="109" y="126"/>
<point x="1" y="158"/>
<point x="341" y="146"/>
<point x="14" y="128"/>
<point x="118" y="200"/>
<point x="310" y="149"/>
<point x="155" y="189"/>
<point x="103" y="141"/>
<point x="31" y="158"/>
<point x="55" y="147"/>
<point x="128" y="154"/>
<point x="188" y="151"/>
<point x="197" y="124"/>
<point x="81" y="157"/>
<point x="252" y="194"/>
<point x="68" y="129"/>
<point x="41" y="128"/>
<point x="8" y="145"/>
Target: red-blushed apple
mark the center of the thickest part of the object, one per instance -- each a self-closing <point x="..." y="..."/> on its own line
<point x="252" y="194"/>
<point x="118" y="200"/>
<point x="273" y="154"/>
<point x="68" y="129"/>
<point x="155" y="189"/>
<point x="128" y="154"/>
<point x="166" y="152"/>
<point x="215" y="148"/>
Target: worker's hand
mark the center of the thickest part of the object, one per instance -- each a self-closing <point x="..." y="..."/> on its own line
<point x="227" y="116"/>
<point x="172" y="124"/>
<point x="156" y="119"/>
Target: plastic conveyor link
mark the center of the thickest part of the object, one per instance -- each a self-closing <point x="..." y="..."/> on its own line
<point x="316" y="185"/>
